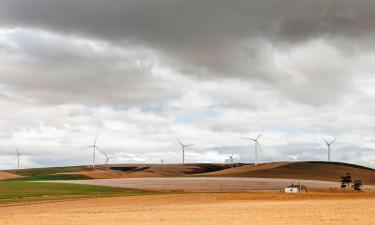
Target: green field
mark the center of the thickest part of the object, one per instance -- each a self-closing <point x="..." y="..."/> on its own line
<point x="15" y="192"/>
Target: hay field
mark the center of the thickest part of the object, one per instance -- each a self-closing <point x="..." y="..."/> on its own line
<point x="202" y="209"/>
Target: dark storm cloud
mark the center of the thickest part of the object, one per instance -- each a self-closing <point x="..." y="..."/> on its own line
<point x="172" y="21"/>
<point x="211" y="39"/>
<point x="201" y="33"/>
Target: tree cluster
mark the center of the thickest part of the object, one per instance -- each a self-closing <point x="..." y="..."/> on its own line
<point x="347" y="182"/>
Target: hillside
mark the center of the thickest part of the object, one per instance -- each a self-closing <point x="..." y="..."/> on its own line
<point x="117" y="171"/>
<point x="329" y="171"/>
<point x="154" y="170"/>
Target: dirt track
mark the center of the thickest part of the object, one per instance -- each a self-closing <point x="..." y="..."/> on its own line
<point x="202" y="209"/>
<point x="210" y="184"/>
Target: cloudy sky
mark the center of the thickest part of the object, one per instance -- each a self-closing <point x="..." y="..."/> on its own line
<point x="142" y="72"/>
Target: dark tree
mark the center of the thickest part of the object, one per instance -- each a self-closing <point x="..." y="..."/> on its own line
<point x="346" y="180"/>
<point x="357" y="184"/>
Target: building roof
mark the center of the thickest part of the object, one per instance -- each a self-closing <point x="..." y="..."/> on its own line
<point x="295" y="185"/>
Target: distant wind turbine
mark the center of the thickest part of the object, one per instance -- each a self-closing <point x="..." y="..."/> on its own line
<point x="107" y="158"/>
<point x="183" y="150"/>
<point x="329" y="143"/>
<point x="231" y="158"/>
<point x="161" y="161"/>
<point x="94" y="148"/>
<point x="18" y="154"/>
<point x="256" y="145"/>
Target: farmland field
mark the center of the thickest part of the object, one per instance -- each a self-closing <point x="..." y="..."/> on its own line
<point x="150" y="194"/>
<point x="203" y="209"/>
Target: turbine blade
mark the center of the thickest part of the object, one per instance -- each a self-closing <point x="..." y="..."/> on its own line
<point x="252" y="139"/>
<point x="260" y="134"/>
<point x="260" y="148"/>
<point x="325" y="141"/>
<point x="333" y="141"/>
<point x="96" y="137"/>
<point x="188" y="145"/>
<point x="180" y="142"/>
<point x="99" y="149"/>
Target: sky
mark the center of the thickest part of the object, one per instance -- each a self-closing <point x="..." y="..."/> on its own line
<point x="141" y="73"/>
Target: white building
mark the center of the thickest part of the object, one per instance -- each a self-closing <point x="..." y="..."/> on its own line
<point x="295" y="189"/>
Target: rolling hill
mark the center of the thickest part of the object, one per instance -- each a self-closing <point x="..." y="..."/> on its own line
<point x="328" y="171"/>
<point x="313" y="170"/>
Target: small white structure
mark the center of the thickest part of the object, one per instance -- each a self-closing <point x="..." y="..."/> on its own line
<point x="295" y="189"/>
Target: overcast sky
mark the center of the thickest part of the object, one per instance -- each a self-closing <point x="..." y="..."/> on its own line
<point x="142" y="72"/>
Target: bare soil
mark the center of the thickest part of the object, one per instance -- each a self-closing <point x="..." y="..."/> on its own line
<point x="6" y="175"/>
<point x="328" y="171"/>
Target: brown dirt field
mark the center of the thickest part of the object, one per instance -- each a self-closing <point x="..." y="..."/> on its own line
<point x="172" y="170"/>
<point x="202" y="209"/>
<point x="147" y="170"/>
<point x="302" y="170"/>
<point x="108" y="174"/>
<point x="6" y="175"/>
<point x="246" y="168"/>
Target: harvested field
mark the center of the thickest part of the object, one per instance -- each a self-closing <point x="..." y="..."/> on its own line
<point x="6" y="175"/>
<point x="246" y="169"/>
<point x="110" y="174"/>
<point x="169" y="170"/>
<point x="329" y="171"/>
<point x="210" y="184"/>
<point x="202" y="209"/>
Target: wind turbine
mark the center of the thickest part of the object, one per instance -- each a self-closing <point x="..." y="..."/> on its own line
<point x="183" y="150"/>
<point x="107" y="158"/>
<point x="231" y="159"/>
<point x="94" y="148"/>
<point x="256" y="145"/>
<point x="329" y="143"/>
<point x="18" y="154"/>
<point x="162" y="161"/>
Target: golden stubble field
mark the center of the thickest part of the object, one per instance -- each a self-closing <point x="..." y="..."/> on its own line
<point x="202" y="209"/>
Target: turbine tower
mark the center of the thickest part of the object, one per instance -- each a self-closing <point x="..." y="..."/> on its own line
<point x="329" y="143"/>
<point x="94" y="148"/>
<point x="183" y="150"/>
<point x="256" y="145"/>
<point x="18" y="154"/>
